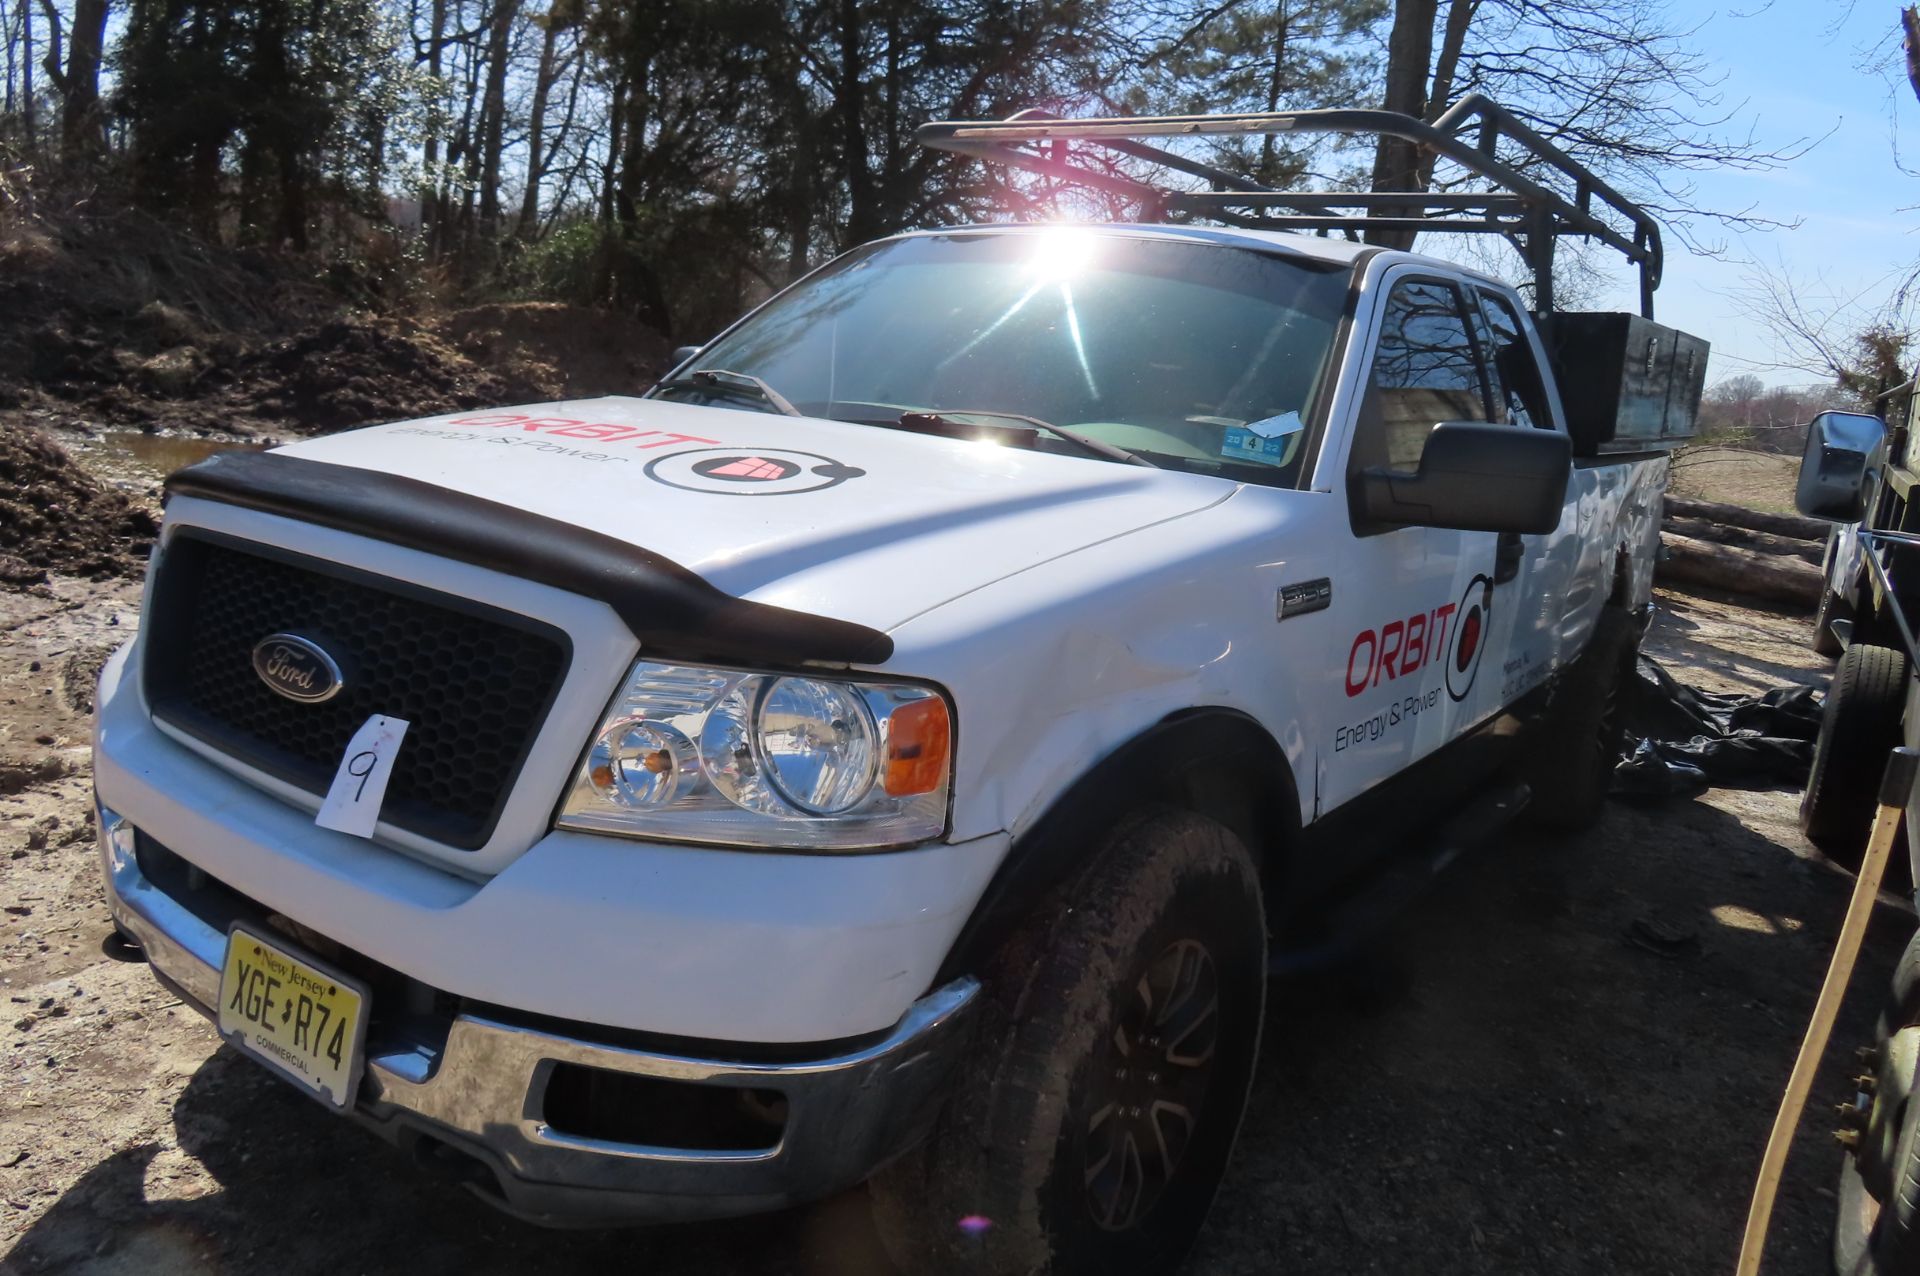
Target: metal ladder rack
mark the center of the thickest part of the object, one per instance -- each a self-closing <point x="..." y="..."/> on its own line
<point x="1531" y="217"/>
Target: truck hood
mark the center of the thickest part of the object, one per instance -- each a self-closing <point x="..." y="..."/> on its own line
<point x="859" y="523"/>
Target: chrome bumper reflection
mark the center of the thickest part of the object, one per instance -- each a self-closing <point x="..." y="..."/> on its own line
<point x="482" y="1091"/>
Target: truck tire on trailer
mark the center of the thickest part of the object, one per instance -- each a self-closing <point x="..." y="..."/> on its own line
<point x="1575" y="747"/>
<point x="1858" y="727"/>
<point x="1875" y="1236"/>
<point x="1135" y="995"/>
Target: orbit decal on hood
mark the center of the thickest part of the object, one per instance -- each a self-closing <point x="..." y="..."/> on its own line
<point x="727" y="471"/>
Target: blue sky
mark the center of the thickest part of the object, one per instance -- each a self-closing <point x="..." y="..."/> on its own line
<point x="1797" y="65"/>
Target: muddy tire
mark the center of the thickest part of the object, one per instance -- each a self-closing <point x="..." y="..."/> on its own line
<point x="1574" y="750"/>
<point x="1858" y="727"/>
<point x="1880" y="1235"/>
<point x="1093" y="1120"/>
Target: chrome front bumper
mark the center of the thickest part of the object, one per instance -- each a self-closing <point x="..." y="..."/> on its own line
<point x="473" y="1104"/>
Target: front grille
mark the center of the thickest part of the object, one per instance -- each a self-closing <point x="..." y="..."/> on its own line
<point x="474" y="683"/>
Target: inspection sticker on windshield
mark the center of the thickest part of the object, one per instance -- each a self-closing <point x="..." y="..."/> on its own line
<point x="360" y="785"/>
<point x="1271" y="441"/>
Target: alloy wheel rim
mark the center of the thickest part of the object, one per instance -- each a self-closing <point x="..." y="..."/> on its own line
<point x="1149" y="1087"/>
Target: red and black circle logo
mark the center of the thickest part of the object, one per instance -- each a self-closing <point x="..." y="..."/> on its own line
<point x="745" y="469"/>
<point x="765" y="472"/>
<point x="1470" y="621"/>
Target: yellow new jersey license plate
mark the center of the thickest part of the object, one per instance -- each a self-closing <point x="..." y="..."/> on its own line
<point x="293" y="1014"/>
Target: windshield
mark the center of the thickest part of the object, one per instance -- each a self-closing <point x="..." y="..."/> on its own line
<point x="1193" y="356"/>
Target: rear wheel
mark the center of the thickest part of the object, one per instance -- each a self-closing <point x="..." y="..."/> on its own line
<point x="1575" y="748"/>
<point x="1092" y="1125"/>
<point x="1877" y="1231"/>
<point x="1859" y="726"/>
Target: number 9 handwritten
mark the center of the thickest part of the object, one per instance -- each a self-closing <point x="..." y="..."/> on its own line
<point x="372" y="756"/>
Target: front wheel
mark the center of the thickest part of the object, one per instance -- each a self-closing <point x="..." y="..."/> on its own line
<point x="1859" y="726"/>
<point x="1092" y="1124"/>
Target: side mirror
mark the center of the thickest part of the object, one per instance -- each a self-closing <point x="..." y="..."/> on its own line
<point x="685" y="353"/>
<point x="1474" y="477"/>
<point x="1843" y="452"/>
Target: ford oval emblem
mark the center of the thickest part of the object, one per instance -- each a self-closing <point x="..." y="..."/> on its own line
<point x="297" y="668"/>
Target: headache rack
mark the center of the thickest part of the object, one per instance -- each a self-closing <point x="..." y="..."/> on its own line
<point x="1529" y="215"/>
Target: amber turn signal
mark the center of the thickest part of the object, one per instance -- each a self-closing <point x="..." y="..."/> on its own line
<point x="919" y="736"/>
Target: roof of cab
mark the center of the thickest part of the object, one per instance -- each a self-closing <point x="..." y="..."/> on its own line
<point x="1344" y="251"/>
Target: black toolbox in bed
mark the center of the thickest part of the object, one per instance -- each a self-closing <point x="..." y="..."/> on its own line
<point x="1629" y="384"/>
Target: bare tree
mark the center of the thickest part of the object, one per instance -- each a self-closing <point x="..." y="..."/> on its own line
<point x="1858" y="341"/>
<point x="560" y="17"/>
<point x="1615" y="82"/>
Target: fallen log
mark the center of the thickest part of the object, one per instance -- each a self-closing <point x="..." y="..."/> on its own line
<point x="1701" y="529"/>
<point x="1789" y="581"/>
<point x="1806" y="529"/>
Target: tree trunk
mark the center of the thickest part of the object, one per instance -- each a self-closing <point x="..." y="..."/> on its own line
<point x="6" y="46"/>
<point x="609" y="177"/>
<point x="1701" y="529"/>
<point x="536" y="129"/>
<point x="26" y="70"/>
<point x="800" y="195"/>
<point x="1276" y="79"/>
<point x="430" y="210"/>
<point x="493" y="114"/>
<point x="1396" y="161"/>
<point x="1447" y="65"/>
<point x="1728" y="568"/>
<point x="54" y="42"/>
<point x="850" y="104"/>
<point x="80" y="103"/>
<point x="1806" y="529"/>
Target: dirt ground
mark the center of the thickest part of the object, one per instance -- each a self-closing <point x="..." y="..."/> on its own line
<point x="1736" y="476"/>
<point x="1518" y="1081"/>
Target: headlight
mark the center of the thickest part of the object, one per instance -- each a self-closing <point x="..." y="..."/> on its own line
<point x="695" y="754"/>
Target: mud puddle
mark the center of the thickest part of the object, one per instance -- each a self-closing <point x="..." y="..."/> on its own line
<point x="139" y="460"/>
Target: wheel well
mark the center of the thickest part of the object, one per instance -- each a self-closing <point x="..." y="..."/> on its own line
<point x="1213" y="761"/>
<point x="1621" y="592"/>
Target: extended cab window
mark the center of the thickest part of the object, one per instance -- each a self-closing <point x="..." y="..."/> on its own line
<point x="1198" y="356"/>
<point x="1425" y="371"/>
<point x="1520" y="396"/>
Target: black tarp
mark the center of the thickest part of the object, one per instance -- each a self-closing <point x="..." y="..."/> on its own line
<point x="1680" y="739"/>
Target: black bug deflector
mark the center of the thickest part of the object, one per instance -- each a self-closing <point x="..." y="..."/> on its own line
<point x="666" y="607"/>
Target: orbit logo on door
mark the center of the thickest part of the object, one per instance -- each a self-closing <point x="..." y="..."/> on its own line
<point x="730" y="471"/>
<point x="1471" y="618"/>
<point x="1452" y="632"/>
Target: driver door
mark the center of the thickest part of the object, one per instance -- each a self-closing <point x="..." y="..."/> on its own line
<point x="1411" y="644"/>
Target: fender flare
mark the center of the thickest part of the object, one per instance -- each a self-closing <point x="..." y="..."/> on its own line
<point x="1215" y="761"/>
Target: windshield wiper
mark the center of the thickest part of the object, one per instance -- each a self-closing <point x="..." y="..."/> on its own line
<point x="721" y="380"/>
<point x="951" y="418"/>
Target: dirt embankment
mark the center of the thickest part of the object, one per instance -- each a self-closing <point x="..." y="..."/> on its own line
<point x="111" y="320"/>
<point x="109" y="317"/>
<point x="55" y="516"/>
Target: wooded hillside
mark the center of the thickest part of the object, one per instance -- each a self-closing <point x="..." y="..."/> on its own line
<point x="676" y="158"/>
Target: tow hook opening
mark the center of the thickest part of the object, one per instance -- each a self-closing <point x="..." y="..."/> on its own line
<point x="622" y="1107"/>
<point x="454" y="1165"/>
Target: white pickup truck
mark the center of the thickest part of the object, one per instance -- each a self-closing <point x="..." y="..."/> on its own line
<point x="890" y="748"/>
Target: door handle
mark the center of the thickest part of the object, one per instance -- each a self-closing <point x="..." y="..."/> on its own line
<point x="1506" y="557"/>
